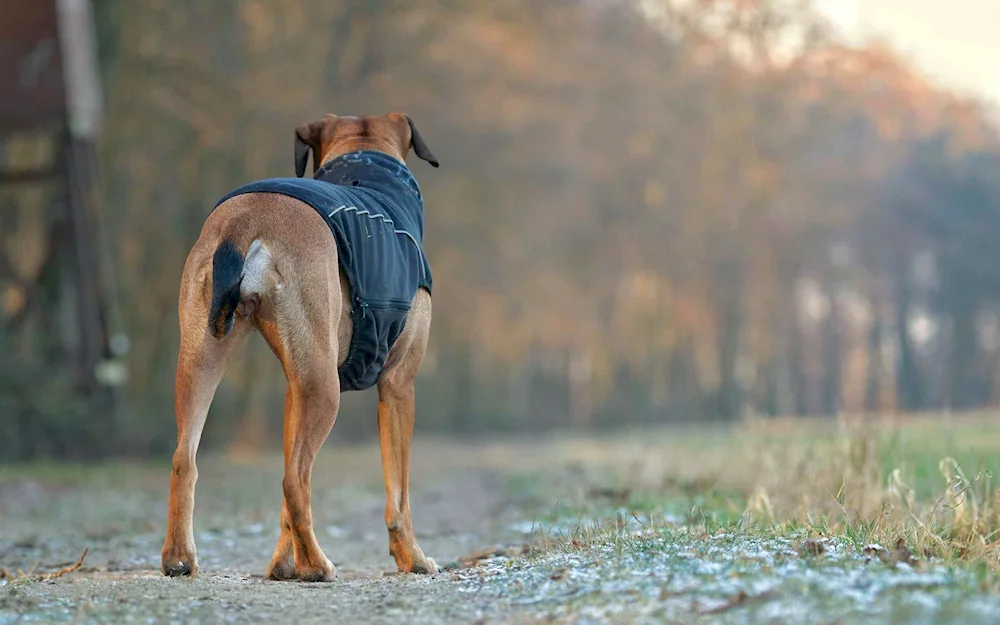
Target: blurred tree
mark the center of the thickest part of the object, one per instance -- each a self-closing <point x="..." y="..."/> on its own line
<point x="647" y="210"/>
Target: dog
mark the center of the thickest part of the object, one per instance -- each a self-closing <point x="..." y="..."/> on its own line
<point x="331" y="272"/>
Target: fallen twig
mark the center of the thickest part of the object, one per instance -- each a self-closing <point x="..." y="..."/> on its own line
<point x="474" y="559"/>
<point x="485" y="554"/>
<point x="66" y="569"/>
<point x="740" y="599"/>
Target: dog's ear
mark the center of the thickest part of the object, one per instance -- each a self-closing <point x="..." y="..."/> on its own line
<point x="411" y="138"/>
<point x="310" y="135"/>
<point x="419" y="147"/>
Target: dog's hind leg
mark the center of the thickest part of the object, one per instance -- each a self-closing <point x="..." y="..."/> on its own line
<point x="303" y="334"/>
<point x="396" y="407"/>
<point x="282" y="566"/>
<point x="201" y="363"/>
<point x="315" y="399"/>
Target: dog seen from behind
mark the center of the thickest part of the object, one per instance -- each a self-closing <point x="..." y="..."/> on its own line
<point x="331" y="271"/>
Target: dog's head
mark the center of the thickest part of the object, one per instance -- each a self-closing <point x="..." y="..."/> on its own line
<point x="333" y="136"/>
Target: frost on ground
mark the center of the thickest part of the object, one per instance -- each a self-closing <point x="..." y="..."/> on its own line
<point x="678" y="575"/>
<point x="677" y="566"/>
<point x="627" y="574"/>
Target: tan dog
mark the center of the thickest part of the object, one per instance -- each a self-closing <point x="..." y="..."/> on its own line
<point x="294" y="291"/>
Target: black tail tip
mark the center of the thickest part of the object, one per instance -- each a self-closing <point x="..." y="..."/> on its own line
<point x="227" y="270"/>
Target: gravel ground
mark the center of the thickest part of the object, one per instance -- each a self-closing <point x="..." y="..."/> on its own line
<point x="470" y="503"/>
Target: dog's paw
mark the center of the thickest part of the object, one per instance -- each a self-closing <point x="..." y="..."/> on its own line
<point x="411" y="558"/>
<point x="282" y="572"/>
<point x="179" y="566"/>
<point x="324" y="573"/>
<point x="416" y="562"/>
<point x="426" y="566"/>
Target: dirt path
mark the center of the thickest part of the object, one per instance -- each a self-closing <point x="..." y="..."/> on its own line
<point x="461" y="505"/>
<point x="465" y="498"/>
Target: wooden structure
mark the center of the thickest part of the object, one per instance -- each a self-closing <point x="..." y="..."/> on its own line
<point x="50" y="117"/>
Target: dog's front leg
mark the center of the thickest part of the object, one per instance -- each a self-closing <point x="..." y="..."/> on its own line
<point x="395" y="427"/>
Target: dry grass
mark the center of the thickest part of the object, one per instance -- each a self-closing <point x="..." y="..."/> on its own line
<point x="925" y="479"/>
<point x="922" y="483"/>
<point x="678" y="524"/>
<point x="849" y="485"/>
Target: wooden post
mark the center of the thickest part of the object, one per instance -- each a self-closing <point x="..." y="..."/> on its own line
<point x="87" y="284"/>
<point x="84" y="116"/>
<point x="51" y="85"/>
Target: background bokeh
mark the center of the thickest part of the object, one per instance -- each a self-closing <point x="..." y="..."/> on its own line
<point x="647" y="212"/>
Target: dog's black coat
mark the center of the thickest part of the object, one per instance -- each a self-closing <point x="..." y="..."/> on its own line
<point x="374" y="207"/>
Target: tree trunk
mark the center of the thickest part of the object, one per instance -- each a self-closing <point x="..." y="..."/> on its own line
<point x="909" y="385"/>
<point x="963" y="375"/>
<point x="873" y="378"/>
<point x="833" y="361"/>
<point x="730" y="329"/>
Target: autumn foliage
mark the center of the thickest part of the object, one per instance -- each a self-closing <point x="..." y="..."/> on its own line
<point x="646" y="211"/>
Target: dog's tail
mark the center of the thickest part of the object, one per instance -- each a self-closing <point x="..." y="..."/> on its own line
<point x="227" y="273"/>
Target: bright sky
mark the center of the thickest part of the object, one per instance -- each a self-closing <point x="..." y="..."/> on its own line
<point x="954" y="42"/>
